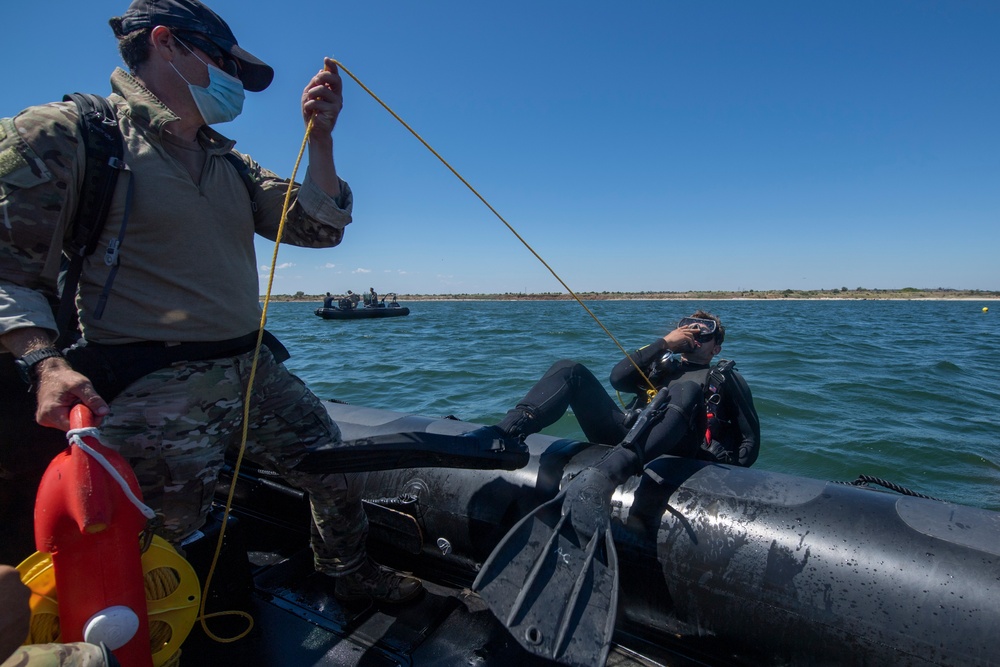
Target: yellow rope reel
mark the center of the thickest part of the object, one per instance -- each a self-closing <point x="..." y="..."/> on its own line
<point x="173" y="595"/>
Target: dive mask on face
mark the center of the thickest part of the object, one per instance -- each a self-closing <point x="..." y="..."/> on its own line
<point x="708" y="327"/>
<point x="222" y="100"/>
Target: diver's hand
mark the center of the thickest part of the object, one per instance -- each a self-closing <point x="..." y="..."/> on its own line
<point x="59" y="389"/>
<point x="683" y="339"/>
<point x="716" y="451"/>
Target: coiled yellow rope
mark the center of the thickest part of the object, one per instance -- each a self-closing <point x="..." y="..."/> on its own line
<point x="158" y="583"/>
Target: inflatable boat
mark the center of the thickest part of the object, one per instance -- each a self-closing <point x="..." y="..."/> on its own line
<point x="362" y="313"/>
<point x="718" y="565"/>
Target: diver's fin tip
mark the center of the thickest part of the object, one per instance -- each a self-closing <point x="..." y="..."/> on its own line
<point x="570" y="616"/>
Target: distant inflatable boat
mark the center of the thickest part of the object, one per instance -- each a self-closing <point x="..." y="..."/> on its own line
<point x="363" y="313"/>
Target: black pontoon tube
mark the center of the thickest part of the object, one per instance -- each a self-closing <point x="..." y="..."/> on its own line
<point x="777" y="568"/>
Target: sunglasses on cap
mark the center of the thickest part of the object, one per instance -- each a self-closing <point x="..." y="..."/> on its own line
<point x="222" y="60"/>
<point x="708" y="327"/>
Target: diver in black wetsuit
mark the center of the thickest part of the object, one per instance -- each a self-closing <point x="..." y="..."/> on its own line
<point x="732" y="430"/>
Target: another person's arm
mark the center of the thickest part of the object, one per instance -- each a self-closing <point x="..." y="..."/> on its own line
<point x="15" y="615"/>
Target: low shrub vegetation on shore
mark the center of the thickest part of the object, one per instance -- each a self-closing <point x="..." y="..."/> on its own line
<point x="841" y="293"/>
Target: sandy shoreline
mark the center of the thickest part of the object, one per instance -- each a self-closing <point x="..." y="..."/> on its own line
<point x="867" y="295"/>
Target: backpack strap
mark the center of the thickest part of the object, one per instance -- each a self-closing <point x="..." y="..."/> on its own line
<point x="712" y="449"/>
<point x="98" y="126"/>
<point x="244" y="171"/>
<point x="715" y="381"/>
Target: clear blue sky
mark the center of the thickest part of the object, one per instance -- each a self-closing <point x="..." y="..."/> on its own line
<point x="637" y="145"/>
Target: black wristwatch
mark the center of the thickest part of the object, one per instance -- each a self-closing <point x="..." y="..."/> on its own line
<point x="26" y="364"/>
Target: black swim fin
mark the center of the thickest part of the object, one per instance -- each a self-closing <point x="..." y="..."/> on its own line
<point x="476" y="450"/>
<point x="553" y="579"/>
<point x="553" y="587"/>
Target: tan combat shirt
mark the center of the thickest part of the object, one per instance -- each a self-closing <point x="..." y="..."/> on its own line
<point x="188" y="270"/>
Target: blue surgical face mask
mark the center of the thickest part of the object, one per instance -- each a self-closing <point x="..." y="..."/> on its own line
<point x="222" y="101"/>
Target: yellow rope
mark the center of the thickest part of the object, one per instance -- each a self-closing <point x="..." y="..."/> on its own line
<point x="652" y="388"/>
<point x="44" y="629"/>
<point x="202" y="616"/>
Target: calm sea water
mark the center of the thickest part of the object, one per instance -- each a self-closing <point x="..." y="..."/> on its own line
<point x="903" y="390"/>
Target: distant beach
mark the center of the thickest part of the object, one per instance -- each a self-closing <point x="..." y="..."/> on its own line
<point x="860" y="294"/>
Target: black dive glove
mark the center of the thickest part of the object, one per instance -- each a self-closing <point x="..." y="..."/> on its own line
<point x="717" y="452"/>
<point x="588" y="496"/>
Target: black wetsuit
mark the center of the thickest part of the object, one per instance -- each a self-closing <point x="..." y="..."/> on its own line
<point x="681" y="430"/>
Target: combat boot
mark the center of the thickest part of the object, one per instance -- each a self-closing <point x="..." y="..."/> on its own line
<point x="378" y="583"/>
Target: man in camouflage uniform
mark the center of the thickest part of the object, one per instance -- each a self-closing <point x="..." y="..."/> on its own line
<point x="165" y="364"/>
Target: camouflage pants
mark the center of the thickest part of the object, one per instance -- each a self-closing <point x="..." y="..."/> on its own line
<point x="56" y="655"/>
<point x="174" y="425"/>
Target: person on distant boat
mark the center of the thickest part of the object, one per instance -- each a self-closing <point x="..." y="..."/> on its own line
<point x="168" y="347"/>
<point x="707" y="416"/>
<point x="328" y="300"/>
<point x="354" y="298"/>
<point x="373" y="296"/>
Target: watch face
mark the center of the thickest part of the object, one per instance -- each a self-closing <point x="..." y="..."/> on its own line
<point x="24" y="371"/>
<point x="26" y="364"/>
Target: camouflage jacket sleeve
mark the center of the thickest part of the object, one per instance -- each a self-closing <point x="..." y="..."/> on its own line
<point x="40" y="170"/>
<point x="76" y="654"/>
<point x="315" y="220"/>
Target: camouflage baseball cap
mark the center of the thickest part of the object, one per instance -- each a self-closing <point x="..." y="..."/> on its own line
<point x="196" y="17"/>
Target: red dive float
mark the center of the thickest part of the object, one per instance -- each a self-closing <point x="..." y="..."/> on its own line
<point x="86" y="520"/>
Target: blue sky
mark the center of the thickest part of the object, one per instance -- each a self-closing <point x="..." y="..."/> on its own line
<point x="637" y="145"/>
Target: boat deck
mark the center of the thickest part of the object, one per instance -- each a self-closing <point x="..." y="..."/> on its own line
<point x="265" y="569"/>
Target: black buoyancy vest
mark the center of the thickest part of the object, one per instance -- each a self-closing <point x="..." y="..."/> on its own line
<point x="711" y="378"/>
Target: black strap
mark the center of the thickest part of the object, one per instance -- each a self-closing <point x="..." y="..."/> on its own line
<point x="98" y="125"/>
<point x="111" y="254"/>
<point x="244" y="171"/>
<point x="716" y="380"/>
